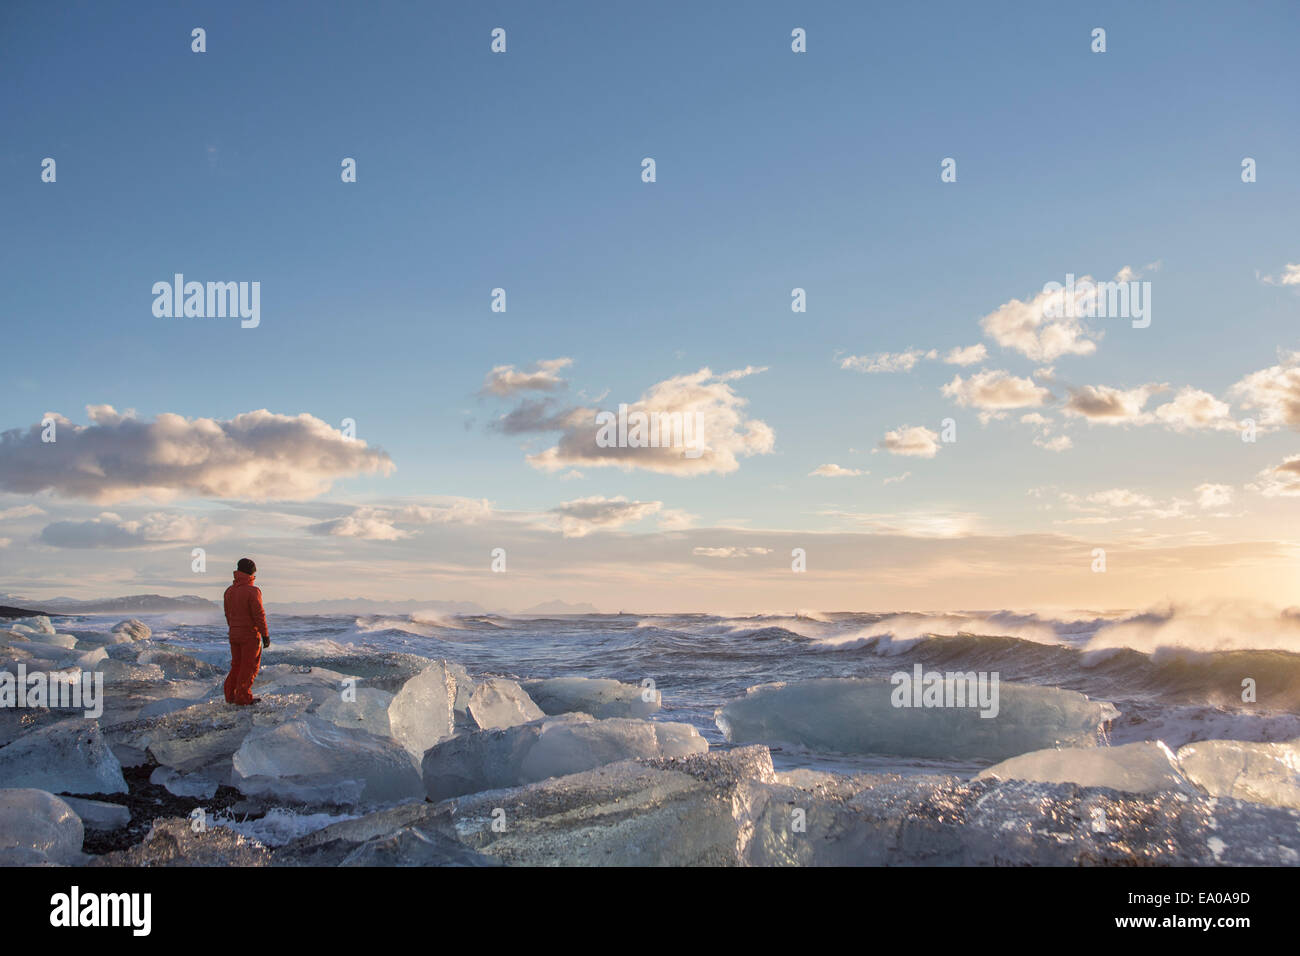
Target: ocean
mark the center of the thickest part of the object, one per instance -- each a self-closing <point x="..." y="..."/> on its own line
<point x="1177" y="675"/>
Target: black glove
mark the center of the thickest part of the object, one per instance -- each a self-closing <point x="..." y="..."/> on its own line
<point x="266" y="640"/>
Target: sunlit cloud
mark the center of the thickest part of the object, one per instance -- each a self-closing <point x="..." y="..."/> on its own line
<point x="835" y="471"/>
<point x="995" y="391"/>
<point x="543" y="377"/>
<point x="916" y="441"/>
<point x="726" y="432"/>
<point x="254" y="456"/>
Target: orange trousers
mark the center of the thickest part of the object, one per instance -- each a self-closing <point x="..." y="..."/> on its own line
<point x="245" y="659"/>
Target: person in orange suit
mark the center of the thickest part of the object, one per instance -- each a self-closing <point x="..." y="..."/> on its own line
<point x="246" y="619"/>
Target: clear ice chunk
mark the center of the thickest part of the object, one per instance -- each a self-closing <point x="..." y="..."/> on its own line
<point x="497" y="703"/>
<point x="1259" y="772"/>
<point x="570" y="743"/>
<point x="38" y="828"/>
<point x="313" y="761"/>
<point x="857" y="715"/>
<point x="70" y="756"/>
<point x="599" y="697"/>
<point x="132" y="630"/>
<point x="423" y="711"/>
<point x="368" y="711"/>
<point x="1142" y="767"/>
<point x="98" y="815"/>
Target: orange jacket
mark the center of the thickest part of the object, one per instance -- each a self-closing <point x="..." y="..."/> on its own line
<point x="244" y="612"/>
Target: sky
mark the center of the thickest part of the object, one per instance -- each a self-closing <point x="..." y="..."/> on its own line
<point x="826" y="477"/>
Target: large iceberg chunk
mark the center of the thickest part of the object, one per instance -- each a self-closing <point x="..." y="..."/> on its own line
<point x="591" y="695"/>
<point x="857" y="715"/>
<point x="423" y="711"/>
<point x="655" y="812"/>
<point x="201" y="734"/>
<point x="38" y="828"/>
<point x="498" y="703"/>
<point x="28" y="639"/>
<point x="368" y="711"/>
<point x="881" y="820"/>
<point x="201" y="784"/>
<point x="70" y="756"/>
<point x="318" y="683"/>
<point x="17" y="721"/>
<point x="410" y="834"/>
<point x="386" y="670"/>
<point x="32" y="625"/>
<point x="98" y="815"/>
<point x="570" y="743"/>
<point x="54" y="653"/>
<point x="177" y="665"/>
<point x="132" y="630"/>
<point x="1143" y="767"/>
<point x="335" y="696"/>
<point x="1260" y="773"/>
<point x="317" y="762"/>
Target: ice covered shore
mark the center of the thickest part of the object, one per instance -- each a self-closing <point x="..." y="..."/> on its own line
<point x="395" y="759"/>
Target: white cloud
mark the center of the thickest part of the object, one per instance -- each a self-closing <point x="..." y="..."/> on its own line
<point x="887" y="361"/>
<point x="579" y="518"/>
<point x="257" y="455"/>
<point x="1057" y="443"/>
<point x="110" y="530"/>
<point x="544" y="377"/>
<point x="918" y="441"/>
<point x="1213" y="496"/>
<point x="895" y="479"/>
<point x="381" y="523"/>
<point x="368" y="526"/>
<point x="920" y="524"/>
<point x="726" y="432"/>
<point x="20" y="511"/>
<point x="995" y="390"/>
<point x="675" y="519"/>
<point x="835" y="471"/>
<point x="1122" y="504"/>
<point x="968" y="355"/>
<point x="1112" y="406"/>
<point x="1290" y="276"/>
<point x="1026" y="328"/>
<point x="1280" y="480"/>
<point x="1274" y="392"/>
<point x="1120" y="498"/>
<point x="1193" y="409"/>
<point x="745" y="372"/>
<point x="706" y="552"/>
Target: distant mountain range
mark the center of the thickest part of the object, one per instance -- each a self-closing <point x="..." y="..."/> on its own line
<point x="141" y="603"/>
<point x="464" y="608"/>
<point x="367" y="606"/>
<point x="561" y="607"/>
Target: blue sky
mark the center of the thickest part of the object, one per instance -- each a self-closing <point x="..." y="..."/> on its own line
<point x="775" y="170"/>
